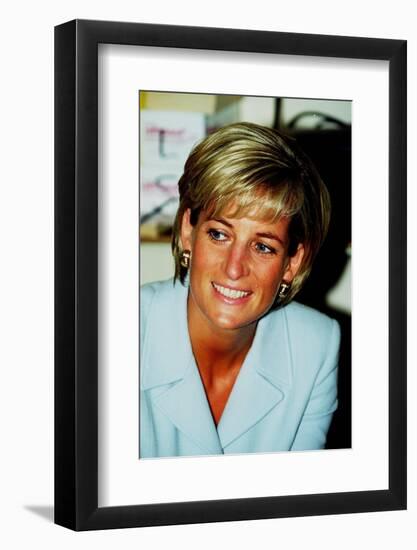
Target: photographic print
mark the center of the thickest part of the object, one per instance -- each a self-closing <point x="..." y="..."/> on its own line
<point x="245" y="251"/>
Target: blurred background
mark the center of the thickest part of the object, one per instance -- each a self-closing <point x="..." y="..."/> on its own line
<point x="172" y="123"/>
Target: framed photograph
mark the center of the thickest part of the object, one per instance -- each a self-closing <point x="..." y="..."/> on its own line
<point x="158" y="134"/>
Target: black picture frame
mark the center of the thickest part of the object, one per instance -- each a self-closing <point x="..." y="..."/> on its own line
<point x="76" y="274"/>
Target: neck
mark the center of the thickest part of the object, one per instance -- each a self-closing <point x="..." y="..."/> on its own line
<point x="218" y="350"/>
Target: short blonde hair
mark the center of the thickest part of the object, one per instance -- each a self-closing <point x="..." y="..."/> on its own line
<point x="242" y="163"/>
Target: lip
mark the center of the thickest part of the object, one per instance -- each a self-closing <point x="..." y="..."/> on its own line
<point x="229" y="300"/>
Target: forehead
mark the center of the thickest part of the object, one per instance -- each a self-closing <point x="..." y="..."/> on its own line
<point x="258" y="211"/>
<point x="254" y="220"/>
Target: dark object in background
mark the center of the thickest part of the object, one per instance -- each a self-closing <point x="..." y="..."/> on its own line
<point x="331" y="151"/>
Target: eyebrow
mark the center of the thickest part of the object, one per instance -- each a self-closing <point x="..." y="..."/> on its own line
<point x="262" y="234"/>
<point x="268" y="235"/>
<point x="221" y="220"/>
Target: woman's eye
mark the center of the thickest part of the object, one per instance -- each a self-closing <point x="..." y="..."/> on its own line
<point x="216" y="235"/>
<point x="264" y="249"/>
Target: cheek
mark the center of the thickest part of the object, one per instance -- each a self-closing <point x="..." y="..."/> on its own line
<point x="269" y="278"/>
<point x="198" y="260"/>
<point x="203" y="255"/>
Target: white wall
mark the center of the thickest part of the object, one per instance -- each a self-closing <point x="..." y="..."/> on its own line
<point x="26" y="299"/>
<point x="341" y="110"/>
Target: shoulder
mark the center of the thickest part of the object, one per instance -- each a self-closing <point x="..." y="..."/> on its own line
<point x="161" y="297"/>
<point x="303" y="316"/>
<point x="163" y="329"/>
<point x="310" y="329"/>
<point x="148" y="291"/>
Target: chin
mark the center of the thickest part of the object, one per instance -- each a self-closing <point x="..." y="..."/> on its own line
<point x="231" y="323"/>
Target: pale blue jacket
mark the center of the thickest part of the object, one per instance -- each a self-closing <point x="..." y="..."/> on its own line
<point x="283" y="398"/>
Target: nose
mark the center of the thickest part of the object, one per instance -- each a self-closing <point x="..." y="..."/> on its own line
<point x="236" y="262"/>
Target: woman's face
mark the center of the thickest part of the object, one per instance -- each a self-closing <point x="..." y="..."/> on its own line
<point x="237" y="265"/>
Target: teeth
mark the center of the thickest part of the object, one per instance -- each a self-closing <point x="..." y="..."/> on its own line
<point x="229" y="293"/>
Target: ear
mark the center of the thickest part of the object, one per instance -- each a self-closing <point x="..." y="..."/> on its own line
<point x="186" y="230"/>
<point x="294" y="264"/>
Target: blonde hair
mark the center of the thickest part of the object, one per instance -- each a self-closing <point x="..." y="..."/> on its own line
<point x="254" y="167"/>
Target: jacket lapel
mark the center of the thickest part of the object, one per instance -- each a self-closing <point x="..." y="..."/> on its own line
<point x="263" y="380"/>
<point x="186" y="405"/>
<point x="169" y="365"/>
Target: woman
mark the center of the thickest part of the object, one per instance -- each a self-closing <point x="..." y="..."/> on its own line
<point x="229" y="363"/>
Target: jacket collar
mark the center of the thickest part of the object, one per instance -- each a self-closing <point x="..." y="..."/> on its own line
<point x="168" y="361"/>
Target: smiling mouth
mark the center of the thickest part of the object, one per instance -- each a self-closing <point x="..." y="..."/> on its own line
<point x="230" y="292"/>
